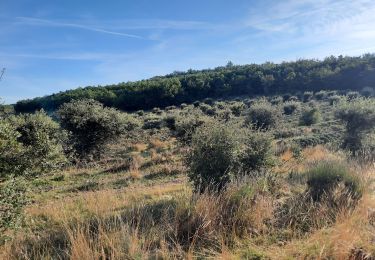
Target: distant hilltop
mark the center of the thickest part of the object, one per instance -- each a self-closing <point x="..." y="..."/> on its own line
<point x="332" y="73"/>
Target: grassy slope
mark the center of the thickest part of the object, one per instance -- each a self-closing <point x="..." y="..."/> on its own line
<point x="146" y="171"/>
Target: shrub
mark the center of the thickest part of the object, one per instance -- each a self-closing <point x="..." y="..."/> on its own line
<point x="213" y="156"/>
<point x="186" y="124"/>
<point x="262" y="115"/>
<point x="153" y="122"/>
<point x="11" y="150"/>
<point x="359" y="118"/>
<point x="352" y="95"/>
<point x="334" y="99"/>
<point x="286" y="97"/>
<point x="92" y="126"/>
<point x="310" y="117"/>
<point x="12" y="201"/>
<point x="237" y="108"/>
<point x="290" y="107"/>
<point x="323" y="178"/>
<point x="257" y="151"/>
<point x="277" y="100"/>
<point x="307" y="96"/>
<point x="32" y="145"/>
<point x="320" y="95"/>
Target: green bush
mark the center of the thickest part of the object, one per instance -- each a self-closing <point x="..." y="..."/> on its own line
<point x="307" y="96"/>
<point x="277" y="100"/>
<point x="92" y="126"/>
<point x="33" y="145"/>
<point x="262" y="115"/>
<point x="359" y="118"/>
<point x="335" y="99"/>
<point x="310" y="117"/>
<point x="186" y="124"/>
<point x="290" y="107"/>
<point x="219" y="153"/>
<point x="257" y="151"/>
<point x="237" y="108"/>
<point x="320" y="95"/>
<point x="322" y="179"/>
<point x="12" y="202"/>
<point x="212" y="159"/>
<point x="11" y="151"/>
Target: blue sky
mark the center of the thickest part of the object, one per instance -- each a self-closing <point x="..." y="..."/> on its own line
<point x="51" y="45"/>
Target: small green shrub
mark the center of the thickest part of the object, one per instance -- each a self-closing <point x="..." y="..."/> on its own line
<point x="310" y="117"/>
<point x="320" y="95"/>
<point x="277" y="100"/>
<point x="257" y="151"/>
<point x="307" y="96"/>
<point x="290" y="107"/>
<point x="237" y="108"/>
<point x="186" y="124"/>
<point x="334" y="99"/>
<point x="92" y="126"/>
<point x="352" y="95"/>
<point x="262" y="116"/>
<point x="213" y="156"/>
<point x="153" y="122"/>
<point x="12" y="201"/>
<point x="31" y="144"/>
<point x="359" y="118"/>
<point x="322" y="179"/>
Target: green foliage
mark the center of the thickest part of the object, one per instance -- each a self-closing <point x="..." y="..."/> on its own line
<point x="31" y="145"/>
<point x="92" y="126"/>
<point x="307" y="96"/>
<point x="320" y="95"/>
<point x="257" y="151"/>
<point x="359" y="118"/>
<point x="186" y="124"/>
<point x="322" y="179"/>
<point x="262" y="115"/>
<point x="12" y="201"/>
<point x="290" y="107"/>
<point x="213" y="156"/>
<point x="11" y="150"/>
<point x="310" y="116"/>
<point x="332" y="73"/>
<point x="219" y="153"/>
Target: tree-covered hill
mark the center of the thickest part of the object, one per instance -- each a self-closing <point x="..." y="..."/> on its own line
<point x="332" y="73"/>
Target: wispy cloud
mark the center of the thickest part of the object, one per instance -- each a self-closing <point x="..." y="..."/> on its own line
<point x="315" y="17"/>
<point x="45" y="22"/>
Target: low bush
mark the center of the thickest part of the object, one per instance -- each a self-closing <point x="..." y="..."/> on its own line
<point x="310" y="117"/>
<point x="326" y="175"/>
<point x="290" y="107"/>
<point x="92" y="126"/>
<point x="257" y="151"/>
<point x="359" y="118"/>
<point x="31" y="144"/>
<point x="12" y="201"/>
<point x="307" y="96"/>
<point x="320" y="95"/>
<point x="212" y="159"/>
<point x="262" y="115"/>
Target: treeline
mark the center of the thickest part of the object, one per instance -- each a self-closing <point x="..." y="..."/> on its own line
<point x="332" y="73"/>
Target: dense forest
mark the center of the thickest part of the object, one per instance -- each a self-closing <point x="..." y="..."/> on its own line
<point x="332" y="73"/>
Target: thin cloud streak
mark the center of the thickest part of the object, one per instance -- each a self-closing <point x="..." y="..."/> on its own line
<point x="37" y="21"/>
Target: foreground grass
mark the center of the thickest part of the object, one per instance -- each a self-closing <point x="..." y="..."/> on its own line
<point x="161" y="218"/>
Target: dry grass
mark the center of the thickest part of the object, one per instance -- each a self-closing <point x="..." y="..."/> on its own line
<point x="139" y="147"/>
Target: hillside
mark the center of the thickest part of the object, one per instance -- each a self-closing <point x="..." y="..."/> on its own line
<point x="295" y="192"/>
<point x="332" y="73"/>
